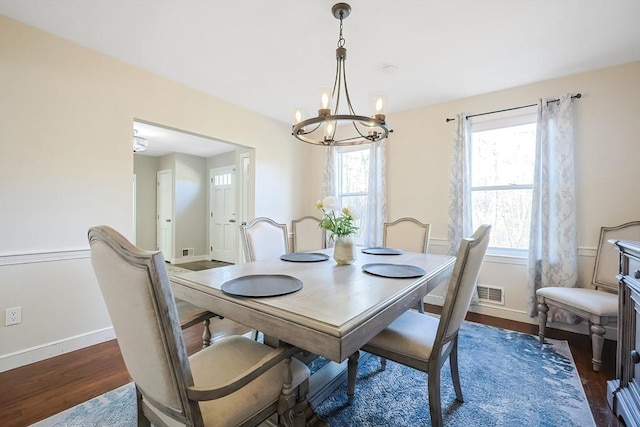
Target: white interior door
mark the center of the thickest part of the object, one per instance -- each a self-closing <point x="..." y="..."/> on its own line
<point x="223" y="227"/>
<point x="164" y="225"/>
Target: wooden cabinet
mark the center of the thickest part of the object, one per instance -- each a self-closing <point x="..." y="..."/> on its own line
<point x="623" y="392"/>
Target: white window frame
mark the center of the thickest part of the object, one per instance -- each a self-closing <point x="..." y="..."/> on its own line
<point x="499" y="121"/>
<point x="359" y="238"/>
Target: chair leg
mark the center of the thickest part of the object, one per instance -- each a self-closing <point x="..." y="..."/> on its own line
<point x="142" y="419"/>
<point x="206" y="335"/>
<point x="383" y="364"/>
<point x="542" y="320"/>
<point x="420" y="306"/>
<point x="597" y="342"/>
<point x="352" y="371"/>
<point x="455" y="374"/>
<point x="435" y="405"/>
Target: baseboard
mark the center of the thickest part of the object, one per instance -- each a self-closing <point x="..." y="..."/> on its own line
<point x="56" y="348"/>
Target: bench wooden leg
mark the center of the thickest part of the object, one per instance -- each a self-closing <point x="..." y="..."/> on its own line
<point x="542" y="320"/>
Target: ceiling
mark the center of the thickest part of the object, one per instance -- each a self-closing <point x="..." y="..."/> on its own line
<point x="273" y="56"/>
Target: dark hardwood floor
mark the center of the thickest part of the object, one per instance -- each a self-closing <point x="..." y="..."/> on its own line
<point x="31" y="393"/>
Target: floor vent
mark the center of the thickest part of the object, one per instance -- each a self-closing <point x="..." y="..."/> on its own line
<point x="492" y="294"/>
<point x="186" y="252"/>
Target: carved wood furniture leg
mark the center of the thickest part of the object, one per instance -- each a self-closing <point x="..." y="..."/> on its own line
<point x="206" y="335"/>
<point x="352" y="371"/>
<point x="313" y="420"/>
<point x="286" y="401"/>
<point x="597" y="342"/>
<point x="542" y="319"/>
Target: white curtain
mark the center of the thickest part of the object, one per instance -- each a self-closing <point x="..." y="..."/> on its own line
<point x="460" y="185"/>
<point x="377" y="214"/>
<point x="553" y="246"/>
<point x="330" y="177"/>
<point x="460" y="224"/>
<point x="377" y="189"/>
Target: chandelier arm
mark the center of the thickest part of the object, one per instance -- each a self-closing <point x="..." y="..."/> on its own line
<point x="306" y="132"/>
<point x="336" y="84"/>
<point x="358" y="130"/>
<point x="346" y="91"/>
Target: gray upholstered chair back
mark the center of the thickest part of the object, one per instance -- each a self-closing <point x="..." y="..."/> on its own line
<point x="462" y="283"/>
<point x="137" y="292"/>
<point x="307" y="234"/>
<point x="607" y="257"/>
<point x="407" y="234"/>
<point x="263" y="238"/>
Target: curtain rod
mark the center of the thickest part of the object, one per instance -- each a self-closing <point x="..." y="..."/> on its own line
<point x="576" y="96"/>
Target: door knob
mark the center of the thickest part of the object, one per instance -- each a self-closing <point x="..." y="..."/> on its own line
<point x="635" y="356"/>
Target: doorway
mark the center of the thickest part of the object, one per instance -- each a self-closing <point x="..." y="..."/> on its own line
<point x="187" y="156"/>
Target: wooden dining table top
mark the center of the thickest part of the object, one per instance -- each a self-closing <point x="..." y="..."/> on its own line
<point x="338" y="309"/>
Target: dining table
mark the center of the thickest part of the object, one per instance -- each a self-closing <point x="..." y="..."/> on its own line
<point x="315" y="304"/>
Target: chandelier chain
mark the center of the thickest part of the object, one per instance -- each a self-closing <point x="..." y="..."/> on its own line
<point x="341" y="39"/>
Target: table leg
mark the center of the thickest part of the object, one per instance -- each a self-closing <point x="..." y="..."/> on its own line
<point x="351" y="376"/>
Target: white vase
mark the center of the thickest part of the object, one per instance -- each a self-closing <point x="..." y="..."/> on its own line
<point x="344" y="251"/>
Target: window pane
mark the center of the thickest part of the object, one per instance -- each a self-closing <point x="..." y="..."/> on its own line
<point x="354" y="171"/>
<point x="503" y="156"/>
<point x="509" y="213"/>
<point x="358" y="204"/>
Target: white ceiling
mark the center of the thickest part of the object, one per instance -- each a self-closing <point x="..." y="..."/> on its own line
<point x="272" y="56"/>
<point x="163" y="141"/>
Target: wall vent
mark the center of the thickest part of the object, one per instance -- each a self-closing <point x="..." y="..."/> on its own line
<point x="187" y="252"/>
<point x="492" y="294"/>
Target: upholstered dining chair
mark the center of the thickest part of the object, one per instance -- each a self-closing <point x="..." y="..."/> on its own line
<point x="407" y="234"/>
<point x="233" y="382"/>
<point x="263" y="238"/>
<point x="597" y="305"/>
<point x="410" y="235"/>
<point x="423" y="341"/>
<point x="307" y="234"/>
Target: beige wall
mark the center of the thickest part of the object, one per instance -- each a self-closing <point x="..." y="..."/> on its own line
<point x="66" y="164"/>
<point x="607" y="133"/>
<point x="145" y="169"/>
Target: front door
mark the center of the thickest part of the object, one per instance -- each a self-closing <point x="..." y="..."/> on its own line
<point x="223" y="228"/>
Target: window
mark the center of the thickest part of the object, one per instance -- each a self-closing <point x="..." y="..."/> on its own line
<point x="502" y="167"/>
<point x="353" y="185"/>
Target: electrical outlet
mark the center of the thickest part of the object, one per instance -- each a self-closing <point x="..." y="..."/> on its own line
<point x="13" y="316"/>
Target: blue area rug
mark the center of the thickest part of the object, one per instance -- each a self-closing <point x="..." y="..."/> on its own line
<point x="508" y="379"/>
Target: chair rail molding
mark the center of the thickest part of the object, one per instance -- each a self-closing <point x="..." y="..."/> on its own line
<point x="37" y="257"/>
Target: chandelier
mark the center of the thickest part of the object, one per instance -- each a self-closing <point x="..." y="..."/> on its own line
<point x="139" y="143"/>
<point x="332" y="126"/>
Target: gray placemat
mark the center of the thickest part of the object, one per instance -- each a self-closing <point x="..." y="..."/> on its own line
<point x="396" y="271"/>
<point x="382" y="251"/>
<point x="304" y="257"/>
<point x="261" y="285"/>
